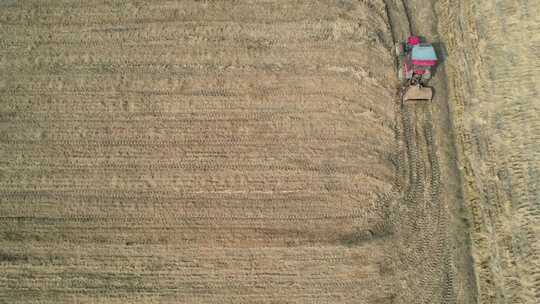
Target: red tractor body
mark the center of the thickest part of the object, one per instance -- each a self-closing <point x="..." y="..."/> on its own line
<point x="416" y="61"/>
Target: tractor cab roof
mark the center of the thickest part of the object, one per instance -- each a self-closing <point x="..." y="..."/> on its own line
<point x="424" y="51"/>
<point x="424" y="55"/>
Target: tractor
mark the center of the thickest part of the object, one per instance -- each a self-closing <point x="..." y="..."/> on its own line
<point x="416" y="62"/>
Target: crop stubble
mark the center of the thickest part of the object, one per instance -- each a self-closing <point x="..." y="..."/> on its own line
<point x="493" y="84"/>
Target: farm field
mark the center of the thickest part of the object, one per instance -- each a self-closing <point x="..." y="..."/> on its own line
<point x="256" y="151"/>
<point x="195" y="152"/>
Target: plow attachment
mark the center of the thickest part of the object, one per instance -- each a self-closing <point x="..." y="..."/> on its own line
<point x="417" y="93"/>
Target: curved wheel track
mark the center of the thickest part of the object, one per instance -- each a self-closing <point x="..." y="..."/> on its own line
<point x="422" y="216"/>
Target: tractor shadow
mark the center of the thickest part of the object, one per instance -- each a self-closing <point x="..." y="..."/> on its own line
<point x="440" y="50"/>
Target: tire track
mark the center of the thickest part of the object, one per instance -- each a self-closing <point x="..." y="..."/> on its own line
<point x="426" y="214"/>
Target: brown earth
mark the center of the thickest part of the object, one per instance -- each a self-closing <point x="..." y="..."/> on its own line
<point x="256" y="152"/>
<point x="196" y="152"/>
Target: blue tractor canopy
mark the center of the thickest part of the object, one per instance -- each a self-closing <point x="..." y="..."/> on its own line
<point x="424" y="52"/>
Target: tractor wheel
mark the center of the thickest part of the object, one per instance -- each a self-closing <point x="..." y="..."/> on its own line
<point x="399" y="49"/>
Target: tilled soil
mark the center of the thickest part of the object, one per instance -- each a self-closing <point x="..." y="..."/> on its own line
<point x="196" y="152"/>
